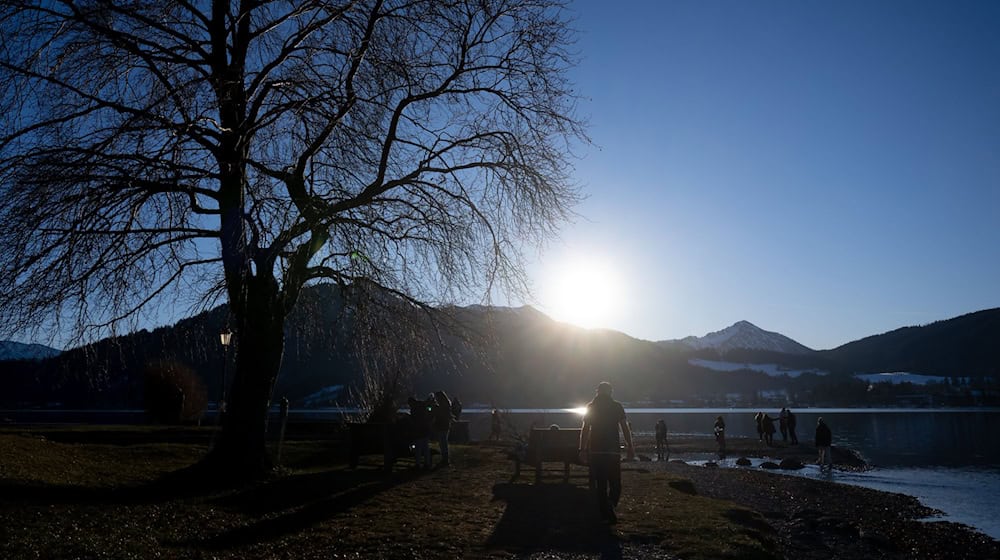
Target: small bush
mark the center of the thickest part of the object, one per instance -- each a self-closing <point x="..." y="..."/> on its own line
<point x="174" y="393"/>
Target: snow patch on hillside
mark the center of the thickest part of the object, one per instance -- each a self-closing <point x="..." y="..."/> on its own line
<point x="898" y="377"/>
<point x="773" y="370"/>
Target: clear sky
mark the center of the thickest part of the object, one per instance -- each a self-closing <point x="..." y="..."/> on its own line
<point x="827" y="170"/>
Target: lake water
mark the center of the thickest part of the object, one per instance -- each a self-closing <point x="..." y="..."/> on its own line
<point x="947" y="458"/>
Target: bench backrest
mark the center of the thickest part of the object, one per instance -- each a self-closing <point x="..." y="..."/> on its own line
<point x="545" y="444"/>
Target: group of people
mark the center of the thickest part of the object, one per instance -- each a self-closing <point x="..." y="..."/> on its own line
<point x="786" y="425"/>
<point x="431" y="419"/>
<point x="600" y="446"/>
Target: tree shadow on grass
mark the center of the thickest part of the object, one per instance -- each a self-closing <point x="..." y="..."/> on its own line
<point x="31" y="493"/>
<point x="294" y="503"/>
<point x="552" y="517"/>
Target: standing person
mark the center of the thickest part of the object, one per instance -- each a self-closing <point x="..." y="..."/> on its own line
<point x="783" y="423"/>
<point x="599" y="444"/>
<point x="791" y="428"/>
<point x="824" y="439"/>
<point x="661" y="439"/>
<point x="420" y="431"/>
<point x="441" y="424"/>
<point x="496" y="425"/>
<point x="768" y="424"/>
<point x="759" y="418"/>
<point x="720" y="436"/>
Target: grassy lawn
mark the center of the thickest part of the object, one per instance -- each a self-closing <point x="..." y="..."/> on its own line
<point x="94" y="492"/>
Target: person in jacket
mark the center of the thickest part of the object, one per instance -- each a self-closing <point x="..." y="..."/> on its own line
<point x="661" y="440"/>
<point x="441" y="424"/>
<point x="600" y="446"/>
<point x="768" y="424"/>
<point x="720" y="436"/>
<point x="420" y="431"/>
<point x="824" y="442"/>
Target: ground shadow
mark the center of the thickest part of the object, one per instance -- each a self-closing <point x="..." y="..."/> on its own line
<point x="125" y="437"/>
<point x="552" y="517"/>
<point x="309" y="500"/>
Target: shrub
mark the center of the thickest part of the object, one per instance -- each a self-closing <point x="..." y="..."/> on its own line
<point x="173" y="393"/>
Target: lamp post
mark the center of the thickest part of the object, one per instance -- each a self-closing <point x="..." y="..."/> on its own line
<point x="225" y="337"/>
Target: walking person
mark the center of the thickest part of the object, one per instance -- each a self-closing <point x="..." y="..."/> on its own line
<point x="420" y="432"/>
<point x="791" y="428"/>
<point x="661" y="440"/>
<point x="600" y="446"/>
<point x="824" y="440"/>
<point x="720" y="436"/>
<point x="768" y="425"/>
<point x="441" y="424"/>
<point x="759" y="419"/>
<point x="496" y="425"/>
<point x="783" y="424"/>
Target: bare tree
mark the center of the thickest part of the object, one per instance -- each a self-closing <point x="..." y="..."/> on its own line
<point x="245" y="149"/>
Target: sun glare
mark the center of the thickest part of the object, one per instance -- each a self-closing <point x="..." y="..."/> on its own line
<point x="583" y="291"/>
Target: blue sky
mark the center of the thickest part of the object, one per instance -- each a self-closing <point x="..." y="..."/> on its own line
<point x="827" y="170"/>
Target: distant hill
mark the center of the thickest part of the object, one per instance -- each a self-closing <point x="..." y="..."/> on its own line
<point x="968" y="345"/>
<point x="10" y="350"/>
<point x="743" y="335"/>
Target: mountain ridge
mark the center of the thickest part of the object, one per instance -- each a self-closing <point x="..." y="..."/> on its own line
<point x="523" y="357"/>
<point x="11" y="350"/>
<point x="743" y="335"/>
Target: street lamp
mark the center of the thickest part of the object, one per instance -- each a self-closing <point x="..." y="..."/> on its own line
<point x="224" y="337"/>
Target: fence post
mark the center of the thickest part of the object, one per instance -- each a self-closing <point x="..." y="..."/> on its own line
<point x="284" y="421"/>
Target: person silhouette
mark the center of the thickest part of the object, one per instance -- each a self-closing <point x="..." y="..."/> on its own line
<point x="720" y="435"/>
<point x="824" y="442"/>
<point x="600" y="445"/>
<point x="661" y="440"/>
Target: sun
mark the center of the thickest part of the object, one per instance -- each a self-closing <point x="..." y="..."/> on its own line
<point x="585" y="291"/>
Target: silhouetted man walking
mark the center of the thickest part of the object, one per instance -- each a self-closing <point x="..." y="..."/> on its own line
<point x="600" y="445"/>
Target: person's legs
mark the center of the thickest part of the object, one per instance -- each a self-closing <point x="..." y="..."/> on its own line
<point x="600" y="473"/>
<point x="614" y="481"/>
<point x="443" y="446"/>
<point x="422" y="452"/>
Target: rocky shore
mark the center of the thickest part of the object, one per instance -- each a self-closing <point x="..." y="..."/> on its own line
<point x="817" y="519"/>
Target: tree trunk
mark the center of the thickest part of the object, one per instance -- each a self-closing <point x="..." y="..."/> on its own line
<point x="240" y="453"/>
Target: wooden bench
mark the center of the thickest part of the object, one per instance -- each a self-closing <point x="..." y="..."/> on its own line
<point x="549" y="445"/>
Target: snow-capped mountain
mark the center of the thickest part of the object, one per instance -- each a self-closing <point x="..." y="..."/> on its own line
<point x="747" y="336"/>
<point x="10" y="350"/>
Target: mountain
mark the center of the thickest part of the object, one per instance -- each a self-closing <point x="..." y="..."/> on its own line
<point x="10" y="350"/>
<point x="507" y="357"/>
<point x="962" y="346"/>
<point x="742" y="335"/>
